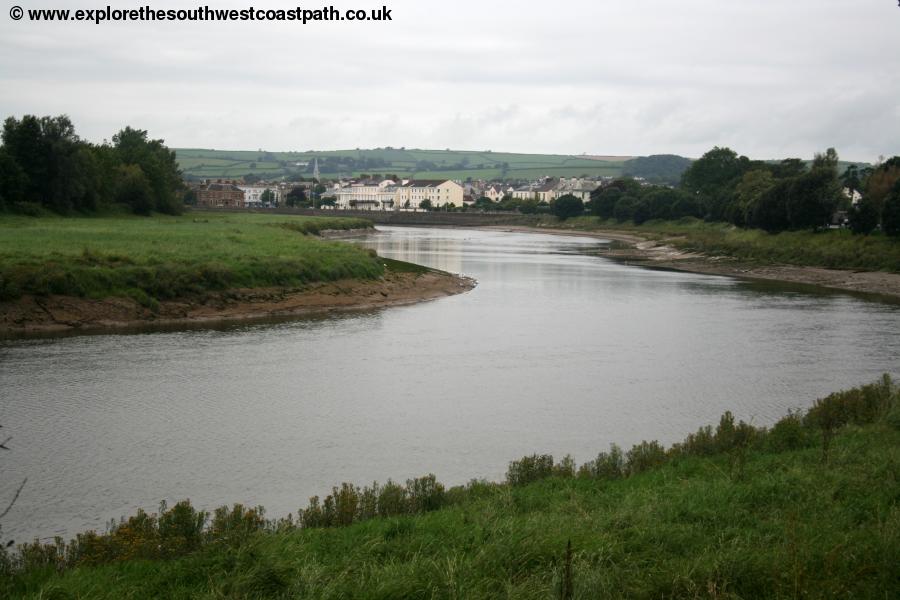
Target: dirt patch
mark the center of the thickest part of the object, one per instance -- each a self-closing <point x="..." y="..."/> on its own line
<point x="639" y="251"/>
<point x="36" y="315"/>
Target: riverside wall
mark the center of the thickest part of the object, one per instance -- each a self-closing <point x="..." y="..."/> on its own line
<point x="420" y="218"/>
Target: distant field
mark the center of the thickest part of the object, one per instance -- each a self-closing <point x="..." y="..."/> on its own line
<point x="452" y="164"/>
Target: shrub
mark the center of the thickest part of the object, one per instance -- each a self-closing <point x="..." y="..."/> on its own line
<point x="607" y="465"/>
<point x="788" y="434"/>
<point x="529" y="469"/>
<point x="233" y="526"/>
<point x="425" y="494"/>
<point x="644" y="456"/>
<point x="392" y="500"/>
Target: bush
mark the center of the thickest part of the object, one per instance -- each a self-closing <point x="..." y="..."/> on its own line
<point x="644" y="456"/>
<point x="425" y="494"/>
<point x="607" y="465"/>
<point x="788" y="434"/>
<point x="529" y="469"/>
<point x="233" y="526"/>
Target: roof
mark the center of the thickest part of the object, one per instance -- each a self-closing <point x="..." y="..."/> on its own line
<point x="221" y="187"/>
<point x="424" y="182"/>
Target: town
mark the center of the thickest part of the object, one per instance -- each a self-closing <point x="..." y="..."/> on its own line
<point x="391" y="193"/>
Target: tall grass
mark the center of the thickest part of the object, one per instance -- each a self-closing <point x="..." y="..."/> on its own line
<point x="682" y="522"/>
<point x="161" y="258"/>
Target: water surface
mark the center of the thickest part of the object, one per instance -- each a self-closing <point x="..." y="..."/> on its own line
<point x="554" y="351"/>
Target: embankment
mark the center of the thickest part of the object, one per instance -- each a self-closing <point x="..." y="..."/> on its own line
<point x="60" y="314"/>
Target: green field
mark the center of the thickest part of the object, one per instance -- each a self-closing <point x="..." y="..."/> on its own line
<point x="451" y="164"/>
<point x="837" y="249"/>
<point x="162" y="257"/>
<point x="809" y="508"/>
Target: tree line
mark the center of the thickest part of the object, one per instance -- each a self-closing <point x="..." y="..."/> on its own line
<point x="773" y="196"/>
<point x="45" y="165"/>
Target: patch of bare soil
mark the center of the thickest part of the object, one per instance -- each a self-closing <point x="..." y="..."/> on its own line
<point x="34" y="315"/>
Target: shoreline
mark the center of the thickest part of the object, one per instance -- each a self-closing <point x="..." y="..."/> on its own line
<point x="36" y="316"/>
<point x="641" y="251"/>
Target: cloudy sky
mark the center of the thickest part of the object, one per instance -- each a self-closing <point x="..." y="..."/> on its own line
<point x="769" y="78"/>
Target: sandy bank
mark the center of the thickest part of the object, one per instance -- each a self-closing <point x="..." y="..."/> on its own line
<point x="58" y="314"/>
<point x="640" y="251"/>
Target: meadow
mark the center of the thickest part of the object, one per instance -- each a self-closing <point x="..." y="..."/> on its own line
<point x="808" y="508"/>
<point x="205" y="163"/>
<point x="164" y="257"/>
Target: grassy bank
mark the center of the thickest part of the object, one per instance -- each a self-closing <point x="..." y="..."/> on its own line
<point x="155" y="258"/>
<point x="837" y="249"/>
<point x="809" y="508"/>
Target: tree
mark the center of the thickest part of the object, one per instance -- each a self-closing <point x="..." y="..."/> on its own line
<point x="133" y="147"/>
<point x="863" y="217"/>
<point x="814" y="197"/>
<point x="133" y="189"/>
<point x="603" y="201"/>
<point x="425" y="204"/>
<point x="880" y="182"/>
<point x="890" y="215"/>
<point x="715" y="170"/>
<point x="267" y="198"/>
<point x="296" y="197"/>
<point x="749" y="192"/>
<point x="770" y="210"/>
<point x="567" y="206"/>
<point x="13" y="180"/>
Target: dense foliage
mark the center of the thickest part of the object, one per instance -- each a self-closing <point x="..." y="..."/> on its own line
<point x="805" y="508"/>
<point x="45" y="165"/>
<point x="772" y="196"/>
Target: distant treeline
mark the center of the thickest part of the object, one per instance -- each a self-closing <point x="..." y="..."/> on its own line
<point x="773" y="196"/>
<point x="45" y="165"/>
<point x="658" y="168"/>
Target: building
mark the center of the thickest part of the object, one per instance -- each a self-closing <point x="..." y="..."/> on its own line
<point x="365" y="195"/>
<point x="411" y="194"/>
<point x="220" y="195"/>
<point x="253" y="195"/>
<point x="580" y="188"/>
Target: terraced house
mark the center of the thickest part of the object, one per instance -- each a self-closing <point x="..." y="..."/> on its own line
<point x="220" y="195"/>
<point x="411" y="194"/>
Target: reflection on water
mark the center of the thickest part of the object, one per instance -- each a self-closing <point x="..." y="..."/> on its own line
<point x="554" y="351"/>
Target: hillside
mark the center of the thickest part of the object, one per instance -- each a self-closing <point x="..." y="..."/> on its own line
<point x="406" y="163"/>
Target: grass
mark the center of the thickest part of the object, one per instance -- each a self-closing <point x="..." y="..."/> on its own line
<point x="724" y="515"/>
<point x="481" y="165"/>
<point x="161" y="257"/>
<point x="838" y="249"/>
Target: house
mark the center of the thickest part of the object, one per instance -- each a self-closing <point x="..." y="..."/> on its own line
<point x="365" y="195"/>
<point x="494" y="192"/>
<point x="410" y="194"/>
<point x="220" y="195"/>
<point x="253" y="195"/>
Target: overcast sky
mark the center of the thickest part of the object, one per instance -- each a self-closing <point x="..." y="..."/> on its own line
<point x="769" y="78"/>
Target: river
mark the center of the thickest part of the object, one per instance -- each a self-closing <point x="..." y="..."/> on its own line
<point x="555" y="351"/>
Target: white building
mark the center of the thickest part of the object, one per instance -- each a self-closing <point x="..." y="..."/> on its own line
<point x="253" y="195"/>
<point x="365" y="195"/>
<point x="411" y="194"/>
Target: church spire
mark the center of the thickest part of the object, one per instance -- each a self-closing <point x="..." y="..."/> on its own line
<point x="316" y="169"/>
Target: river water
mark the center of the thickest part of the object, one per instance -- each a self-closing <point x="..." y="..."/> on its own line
<point x="555" y="351"/>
